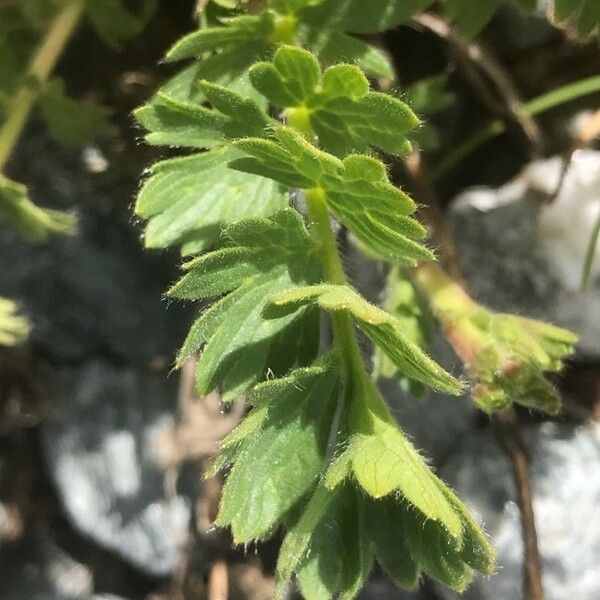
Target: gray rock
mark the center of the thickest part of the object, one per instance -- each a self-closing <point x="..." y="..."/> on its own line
<point x="101" y="447"/>
<point x="91" y="294"/>
<point x="565" y="473"/>
<point x="522" y="254"/>
<point x="36" y="568"/>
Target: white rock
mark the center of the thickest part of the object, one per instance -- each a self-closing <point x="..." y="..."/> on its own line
<point x="523" y="250"/>
<point x="565" y="473"/>
<point x="101" y="452"/>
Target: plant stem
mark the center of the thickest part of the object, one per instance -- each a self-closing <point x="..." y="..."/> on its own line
<point x="538" y="105"/>
<point x="506" y="426"/>
<point x="590" y="255"/>
<point x="333" y="272"/>
<point x="40" y="68"/>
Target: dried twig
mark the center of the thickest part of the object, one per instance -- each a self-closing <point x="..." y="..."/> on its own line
<point x="506" y="426"/>
<point x="473" y="59"/>
<point x="431" y="214"/>
<point x="218" y="584"/>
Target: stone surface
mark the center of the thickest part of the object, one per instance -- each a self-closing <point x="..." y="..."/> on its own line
<point x="36" y="568"/>
<point x="101" y="447"/>
<point x="94" y="293"/>
<point x="565" y="472"/>
<point x="523" y="250"/>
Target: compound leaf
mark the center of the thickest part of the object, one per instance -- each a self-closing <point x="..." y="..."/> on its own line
<point x="383" y="461"/>
<point x="264" y="256"/>
<point x="189" y="200"/>
<point x="383" y="329"/>
<point x="356" y="190"/>
<point x="336" y="106"/>
<point x="280" y="457"/>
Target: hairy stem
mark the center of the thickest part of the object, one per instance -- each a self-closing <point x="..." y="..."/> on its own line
<point x="40" y="68"/>
<point x="333" y="272"/>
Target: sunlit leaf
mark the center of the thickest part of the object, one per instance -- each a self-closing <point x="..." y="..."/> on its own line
<point x="356" y="190"/>
<point x="35" y="224"/>
<point x="337" y="106"/>
<point x="383" y="329"/>
<point x="14" y="328"/>
<point x="264" y="256"/>
<point x="188" y="201"/>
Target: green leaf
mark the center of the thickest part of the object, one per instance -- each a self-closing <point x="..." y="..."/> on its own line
<point x="228" y="68"/>
<point x="35" y="224"/>
<point x="385" y="528"/>
<point x="114" y="23"/>
<point x="237" y="31"/>
<point x="402" y="301"/>
<point x="70" y="120"/>
<point x="189" y="200"/>
<point x="385" y="462"/>
<point x="471" y="16"/>
<point x="430" y="95"/>
<point x="13" y="327"/>
<point x="179" y="123"/>
<point x="476" y="550"/>
<point x="340" y="47"/>
<point x="280" y="457"/>
<point x="264" y="256"/>
<point x="426" y="97"/>
<point x="350" y="15"/>
<point x="291" y="6"/>
<point x="584" y="13"/>
<point x="338" y="559"/>
<point x="332" y="545"/>
<point x="436" y="551"/>
<point x="336" y="106"/>
<point x="356" y="190"/>
<point x="296" y="543"/>
<point x="381" y="327"/>
<point x="506" y="357"/>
